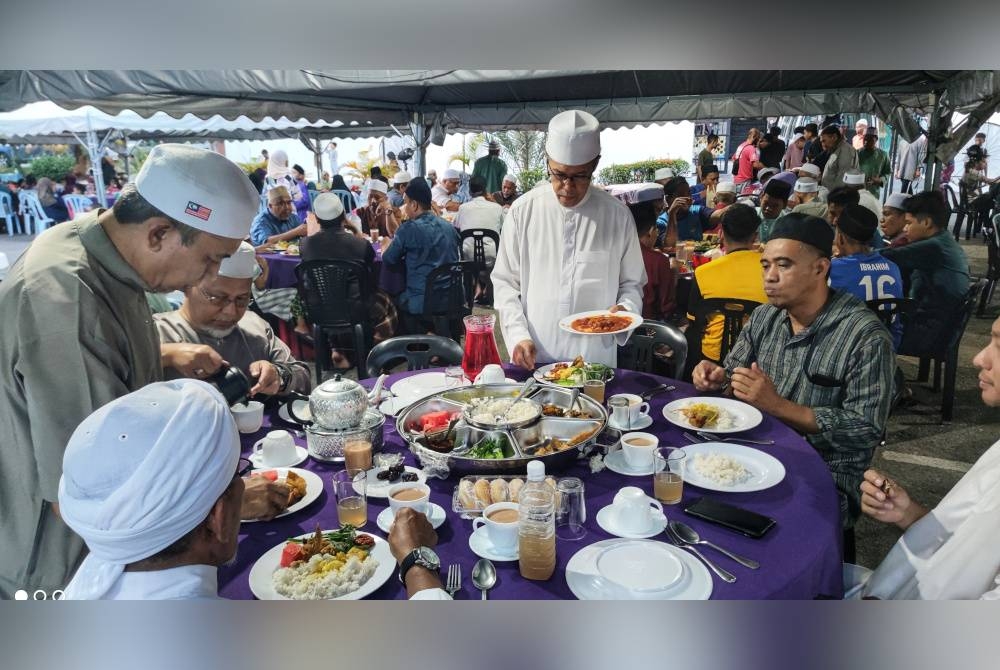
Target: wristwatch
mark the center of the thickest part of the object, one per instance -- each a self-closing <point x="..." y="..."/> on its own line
<point x="284" y="375"/>
<point x="422" y="556"/>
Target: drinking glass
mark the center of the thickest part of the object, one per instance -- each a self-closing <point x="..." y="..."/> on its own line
<point x="668" y="474"/>
<point x="480" y="345"/>
<point x="350" y="491"/>
<point x="620" y="412"/>
<point x="454" y="376"/>
<point x="571" y="509"/>
<point x="595" y="389"/>
<point x="358" y="455"/>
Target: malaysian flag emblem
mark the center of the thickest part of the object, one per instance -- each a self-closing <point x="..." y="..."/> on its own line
<point x="202" y="212"/>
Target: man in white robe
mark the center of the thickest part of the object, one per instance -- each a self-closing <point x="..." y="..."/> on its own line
<point x="951" y="551"/>
<point x="567" y="247"/>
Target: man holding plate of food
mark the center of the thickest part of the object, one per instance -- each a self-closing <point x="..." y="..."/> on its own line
<point x="565" y="250"/>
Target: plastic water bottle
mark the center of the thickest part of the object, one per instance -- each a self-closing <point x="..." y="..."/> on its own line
<point x="536" y="525"/>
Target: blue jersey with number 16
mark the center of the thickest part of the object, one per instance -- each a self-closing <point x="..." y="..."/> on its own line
<point x="870" y="277"/>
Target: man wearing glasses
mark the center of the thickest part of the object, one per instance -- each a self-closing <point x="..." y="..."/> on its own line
<point x="816" y="358"/>
<point x="566" y="249"/>
<point x="213" y="328"/>
<point x="278" y="222"/>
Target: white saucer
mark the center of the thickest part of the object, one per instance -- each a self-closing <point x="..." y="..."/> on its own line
<point x="644" y="572"/>
<point x="436" y="517"/>
<point x="606" y="520"/>
<point x="644" y="421"/>
<point x="616" y="463"/>
<point x="479" y="543"/>
<point x="301" y="454"/>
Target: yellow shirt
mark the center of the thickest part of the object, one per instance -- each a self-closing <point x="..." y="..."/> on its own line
<point x="736" y="275"/>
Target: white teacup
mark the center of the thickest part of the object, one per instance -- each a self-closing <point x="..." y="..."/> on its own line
<point x="502" y="533"/>
<point x="636" y="409"/>
<point x="634" y="509"/>
<point x="491" y="374"/>
<point x="638" y="449"/>
<point x="408" y="492"/>
<point x="276" y="449"/>
<point x="249" y="417"/>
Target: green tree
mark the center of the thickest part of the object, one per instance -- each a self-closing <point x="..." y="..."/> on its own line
<point x="54" y="167"/>
<point x="642" y="171"/>
<point x="470" y="146"/>
<point x="524" y="153"/>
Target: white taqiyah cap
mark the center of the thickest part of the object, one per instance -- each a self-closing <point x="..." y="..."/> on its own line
<point x="663" y="173"/>
<point x="896" y="200"/>
<point x="511" y="178"/>
<point x="200" y="188"/>
<point x="806" y="185"/>
<point x="328" y="206"/>
<point x="795" y="138"/>
<point x="768" y="171"/>
<point x="809" y="170"/>
<point x="378" y="185"/>
<point x="574" y="138"/>
<point x="726" y="187"/>
<point x="451" y="174"/>
<point x="401" y="177"/>
<point x="241" y="265"/>
<point x="854" y="178"/>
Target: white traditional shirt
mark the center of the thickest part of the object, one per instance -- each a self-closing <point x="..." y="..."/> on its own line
<point x="441" y="197"/>
<point x="951" y="553"/>
<point x="555" y="261"/>
<point x="479" y="213"/>
<point x="187" y="582"/>
<point x="870" y="202"/>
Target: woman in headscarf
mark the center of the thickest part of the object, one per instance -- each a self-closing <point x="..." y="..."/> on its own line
<point x="302" y="202"/>
<point x="338" y="184"/>
<point x="278" y="174"/>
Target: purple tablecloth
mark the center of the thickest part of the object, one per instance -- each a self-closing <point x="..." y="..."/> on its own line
<point x="391" y="278"/>
<point x="800" y="557"/>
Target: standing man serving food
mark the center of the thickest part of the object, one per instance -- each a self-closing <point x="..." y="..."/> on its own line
<point x="78" y="333"/>
<point x="566" y="249"/>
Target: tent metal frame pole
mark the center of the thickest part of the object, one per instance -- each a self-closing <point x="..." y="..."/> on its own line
<point x="932" y="169"/>
<point x="420" y="139"/>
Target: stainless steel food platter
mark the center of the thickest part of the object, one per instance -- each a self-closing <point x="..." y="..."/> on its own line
<point x="523" y="441"/>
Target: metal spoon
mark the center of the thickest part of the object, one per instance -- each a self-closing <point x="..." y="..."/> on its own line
<point x="502" y="419"/>
<point x="484" y="575"/>
<point x="721" y="572"/>
<point x="689" y="535"/>
<point x="662" y="388"/>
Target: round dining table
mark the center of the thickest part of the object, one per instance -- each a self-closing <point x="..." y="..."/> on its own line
<point x="800" y="557"/>
<point x="281" y="272"/>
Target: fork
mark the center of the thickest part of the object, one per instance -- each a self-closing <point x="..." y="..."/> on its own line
<point x="454" y="582"/>
<point x="715" y="438"/>
<point x="662" y="388"/>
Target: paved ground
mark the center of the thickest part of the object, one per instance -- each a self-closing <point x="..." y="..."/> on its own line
<point x="923" y="455"/>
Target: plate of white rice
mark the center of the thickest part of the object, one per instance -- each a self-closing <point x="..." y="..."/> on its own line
<point x="309" y="581"/>
<point x="731" y="468"/>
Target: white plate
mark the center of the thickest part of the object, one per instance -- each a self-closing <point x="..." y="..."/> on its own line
<point x="606" y="520"/>
<point x="616" y="463"/>
<point x="586" y="583"/>
<point x="379" y="488"/>
<point x="645" y="421"/>
<point x="314" y="487"/>
<point x="765" y="469"/>
<point x="479" y="543"/>
<point x="744" y="416"/>
<point x="421" y="385"/>
<point x="264" y="568"/>
<point x="436" y="517"/>
<point x="301" y="409"/>
<point x="301" y="454"/>
<point x="564" y="323"/>
<point x="540" y="373"/>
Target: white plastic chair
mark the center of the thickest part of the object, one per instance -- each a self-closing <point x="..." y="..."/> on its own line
<point x="77" y="205"/>
<point x="34" y="217"/>
<point x="8" y="215"/>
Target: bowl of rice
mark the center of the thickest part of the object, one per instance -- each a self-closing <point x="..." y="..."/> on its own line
<point x="491" y="413"/>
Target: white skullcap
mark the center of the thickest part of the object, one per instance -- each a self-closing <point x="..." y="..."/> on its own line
<point x="861" y="122"/>
<point x="795" y="138"/>
<point x="896" y="200"/>
<point x="810" y="170"/>
<point x="663" y="173"/>
<point x="765" y="172"/>
<point x="328" y="206"/>
<point x="378" y="185"/>
<point x="574" y="138"/>
<point x="511" y="178"/>
<point x="142" y="472"/>
<point x="806" y="185"/>
<point x="451" y="174"/>
<point x="401" y="177"/>
<point x="726" y="187"/>
<point x="241" y="265"/>
<point x="200" y="188"/>
<point x="854" y="178"/>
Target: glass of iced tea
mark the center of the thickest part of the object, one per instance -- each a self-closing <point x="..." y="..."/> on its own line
<point x="595" y="389"/>
<point x="358" y="455"/>
<point x="668" y="474"/>
<point x="350" y="491"/>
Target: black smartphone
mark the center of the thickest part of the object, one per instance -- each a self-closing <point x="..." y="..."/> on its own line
<point x="743" y="521"/>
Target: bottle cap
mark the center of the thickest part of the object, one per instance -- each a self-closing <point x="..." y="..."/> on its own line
<point x="536" y="471"/>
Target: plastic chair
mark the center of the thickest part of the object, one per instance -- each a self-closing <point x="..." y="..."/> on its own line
<point x="416" y="350"/>
<point x="447" y="300"/>
<point x="77" y="205"/>
<point x="992" y="235"/>
<point x="34" y="217"/>
<point x="735" y="313"/>
<point x="347" y="199"/>
<point x="947" y="357"/>
<point x="325" y="287"/>
<point x="639" y="352"/>
<point x="482" y="265"/>
<point x="888" y="309"/>
<point x="7" y="214"/>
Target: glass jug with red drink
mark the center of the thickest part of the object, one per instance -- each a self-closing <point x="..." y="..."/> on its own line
<point x="480" y="345"/>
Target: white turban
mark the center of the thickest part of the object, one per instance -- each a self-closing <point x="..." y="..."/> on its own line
<point x="242" y="264"/>
<point x="378" y="185"/>
<point x="142" y="472"/>
<point x="451" y="174"/>
<point x="574" y="138"/>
